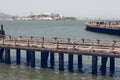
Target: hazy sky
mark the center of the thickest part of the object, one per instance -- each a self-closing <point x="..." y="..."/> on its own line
<point x="77" y="8"/>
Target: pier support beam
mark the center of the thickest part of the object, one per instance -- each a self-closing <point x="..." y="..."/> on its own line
<point x="28" y="57"/>
<point x="70" y="62"/>
<point x="61" y="61"/>
<point x="1" y="54"/>
<point x="32" y="58"/>
<point x="44" y="59"/>
<point x="52" y="60"/>
<point x="18" y="56"/>
<point x="103" y="65"/>
<point x="112" y="66"/>
<point x="7" y="56"/>
<point x="79" y="63"/>
<point x="94" y="64"/>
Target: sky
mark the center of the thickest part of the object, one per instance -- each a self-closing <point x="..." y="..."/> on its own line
<point x="76" y="8"/>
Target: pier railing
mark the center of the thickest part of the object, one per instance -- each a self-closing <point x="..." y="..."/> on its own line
<point x="104" y="25"/>
<point x="63" y="44"/>
<point x="49" y="46"/>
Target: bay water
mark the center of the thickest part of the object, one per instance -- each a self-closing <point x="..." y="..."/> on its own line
<point x="50" y="29"/>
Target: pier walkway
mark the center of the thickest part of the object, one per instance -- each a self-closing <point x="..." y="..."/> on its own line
<point x="74" y="46"/>
<point x="48" y="47"/>
<point x="68" y="46"/>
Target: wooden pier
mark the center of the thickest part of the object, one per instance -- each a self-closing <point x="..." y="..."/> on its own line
<point x="50" y="46"/>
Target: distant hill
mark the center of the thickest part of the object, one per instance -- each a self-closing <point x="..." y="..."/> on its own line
<point x="5" y="16"/>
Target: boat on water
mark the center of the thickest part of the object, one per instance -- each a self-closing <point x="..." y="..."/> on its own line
<point x="107" y="27"/>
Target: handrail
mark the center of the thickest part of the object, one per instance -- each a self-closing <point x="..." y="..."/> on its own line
<point x="61" y="40"/>
<point x="58" y="42"/>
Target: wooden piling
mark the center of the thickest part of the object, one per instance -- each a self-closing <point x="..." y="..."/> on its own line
<point x="18" y="56"/>
<point x="61" y="61"/>
<point x="112" y="66"/>
<point x="103" y="65"/>
<point x="27" y="57"/>
<point x="32" y="58"/>
<point x="7" y="56"/>
<point x="52" y="60"/>
<point x="70" y="62"/>
<point x="79" y="63"/>
<point x="1" y="54"/>
<point x="2" y="32"/>
<point x="44" y="59"/>
<point x="94" y="64"/>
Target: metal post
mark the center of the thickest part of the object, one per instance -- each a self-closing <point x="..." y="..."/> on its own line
<point x="31" y="38"/>
<point x="114" y="42"/>
<point x="15" y="42"/>
<point x="112" y="49"/>
<point x="98" y="41"/>
<point x="74" y="46"/>
<point x="83" y="40"/>
<point x="28" y="43"/>
<point x="55" y="39"/>
<point x="68" y="40"/>
<point x="57" y="45"/>
<point x="42" y="45"/>
<point x="3" y="41"/>
<point x="10" y="37"/>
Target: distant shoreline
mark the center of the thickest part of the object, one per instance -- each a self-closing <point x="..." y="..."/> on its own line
<point x="43" y="16"/>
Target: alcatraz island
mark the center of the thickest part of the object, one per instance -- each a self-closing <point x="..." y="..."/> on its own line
<point x="44" y="16"/>
<point x="40" y="16"/>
